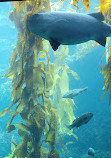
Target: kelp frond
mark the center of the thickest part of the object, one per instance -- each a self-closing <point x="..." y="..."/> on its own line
<point x="84" y="2"/>
<point x="105" y="8"/>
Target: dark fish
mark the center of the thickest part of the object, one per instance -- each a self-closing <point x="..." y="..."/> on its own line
<point x="72" y="93"/>
<point x="91" y="152"/>
<point x="10" y="128"/>
<point x="84" y="119"/>
<point x="69" y="28"/>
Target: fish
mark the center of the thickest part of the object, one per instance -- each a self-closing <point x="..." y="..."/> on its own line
<point x="10" y="128"/>
<point x="69" y="28"/>
<point x="72" y="93"/>
<point x="83" y="119"/>
<point x="91" y="151"/>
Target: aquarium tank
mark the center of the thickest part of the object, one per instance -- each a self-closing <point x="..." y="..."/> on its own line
<point x="55" y="89"/>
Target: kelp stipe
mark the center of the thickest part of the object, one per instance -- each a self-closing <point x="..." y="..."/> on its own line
<point x="32" y="81"/>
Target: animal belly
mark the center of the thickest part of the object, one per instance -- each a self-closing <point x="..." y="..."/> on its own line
<point x="72" y="39"/>
<point x="69" y="35"/>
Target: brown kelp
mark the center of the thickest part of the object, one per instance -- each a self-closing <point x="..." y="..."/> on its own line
<point x="105" y="8"/>
<point x="85" y="2"/>
<point x="32" y="80"/>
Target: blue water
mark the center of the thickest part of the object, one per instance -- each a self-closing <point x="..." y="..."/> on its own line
<point x="97" y="133"/>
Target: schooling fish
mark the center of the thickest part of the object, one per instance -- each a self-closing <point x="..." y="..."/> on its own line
<point x="69" y="28"/>
<point x="72" y="93"/>
<point x="80" y="120"/>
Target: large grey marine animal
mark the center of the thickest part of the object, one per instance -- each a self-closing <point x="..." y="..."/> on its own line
<point x="69" y="28"/>
<point x="83" y="119"/>
<point x="72" y="93"/>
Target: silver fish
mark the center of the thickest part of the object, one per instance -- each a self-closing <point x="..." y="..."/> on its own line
<point x="72" y="93"/>
<point x="69" y="28"/>
<point x="84" y="119"/>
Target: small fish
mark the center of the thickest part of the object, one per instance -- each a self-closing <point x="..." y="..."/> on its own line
<point x="84" y="119"/>
<point x="10" y="128"/>
<point x="91" y="152"/>
<point x="72" y="93"/>
<point x="69" y="28"/>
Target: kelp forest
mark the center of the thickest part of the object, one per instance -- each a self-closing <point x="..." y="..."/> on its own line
<point x="39" y="84"/>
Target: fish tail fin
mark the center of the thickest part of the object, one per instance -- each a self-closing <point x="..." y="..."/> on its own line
<point x="75" y="129"/>
<point x="102" y="39"/>
<point x="69" y="127"/>
<point x="72" y="127"/>
<point x="85" y="89"/>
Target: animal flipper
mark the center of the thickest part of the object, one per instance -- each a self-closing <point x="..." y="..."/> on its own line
<point x="101" y="41"/>
<point x="54" y="44"/>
